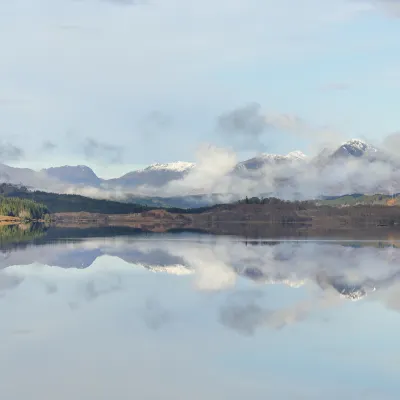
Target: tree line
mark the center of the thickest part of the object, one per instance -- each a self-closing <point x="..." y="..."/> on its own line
<point x="22" y="208"/>
<point x="302" y="205"/>
<point x="59" y="203"/>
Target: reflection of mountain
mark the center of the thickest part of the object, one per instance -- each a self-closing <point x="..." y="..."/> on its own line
<point x="351" y="291"/>
<point x="351" y="271"/>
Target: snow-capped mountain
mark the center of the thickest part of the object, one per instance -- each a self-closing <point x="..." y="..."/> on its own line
<point x="268" y="159"/>
<point x="355" y="148"/>
<point x="326" y="173"/>
<point x="179" y="166"/>
<point x="154" y="175"/>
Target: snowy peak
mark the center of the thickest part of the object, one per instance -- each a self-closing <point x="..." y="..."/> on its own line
<point x="296" y="155"/>
<point x="178" y="166"/>
<point x="355" y="148"/>
<point x="292" y="156"/>
<point x="156" y="175"/>
<point x="266" y="159"/>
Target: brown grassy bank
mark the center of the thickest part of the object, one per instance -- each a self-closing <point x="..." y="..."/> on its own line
<point x="317" y="217"/>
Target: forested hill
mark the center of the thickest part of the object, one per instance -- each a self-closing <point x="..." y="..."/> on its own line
<point x="70" y="202"/>
<point x="60" y="203"/>
<point x="25" y="209"/>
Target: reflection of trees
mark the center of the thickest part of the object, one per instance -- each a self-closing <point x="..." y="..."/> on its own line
<point x="13" y="234"/>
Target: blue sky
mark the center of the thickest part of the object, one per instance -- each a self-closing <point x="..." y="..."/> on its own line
<point x="147" y="81"/>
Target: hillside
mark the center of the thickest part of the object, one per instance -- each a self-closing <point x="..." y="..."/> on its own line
<point x="350" y="167"/>
<point x="57" y="203"/>
<point x="360" y="199"/>
<point x="65" y="203"/>
<point x="22" y="208"/>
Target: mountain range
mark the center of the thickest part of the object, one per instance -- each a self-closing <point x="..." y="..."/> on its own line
<point x="70" y="179"/>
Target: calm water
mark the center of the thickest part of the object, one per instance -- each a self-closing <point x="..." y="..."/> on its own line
<point x="192" y="316"/>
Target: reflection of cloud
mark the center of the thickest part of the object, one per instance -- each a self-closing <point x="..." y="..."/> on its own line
<point x="96" y="288"/>
<point x="247" y="316"/>
<point x="154" y="314"/>
<point x="335" y="271"/>
<point x="8" y="281"/>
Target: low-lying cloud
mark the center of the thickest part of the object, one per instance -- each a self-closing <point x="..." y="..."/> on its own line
<point x="216" y="173"/>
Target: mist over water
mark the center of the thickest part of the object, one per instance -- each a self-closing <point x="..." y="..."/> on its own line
<point x="198" y="316"/>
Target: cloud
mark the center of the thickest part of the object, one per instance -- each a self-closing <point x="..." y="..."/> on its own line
<point x="247" y="121"/>
<point x="391" y="142"/>
<point x="156" y="123"/>
<point x="216" y="172"/>
<point x="155" y="315"/>
<point x="159" y="119"/>
<point x="48" y="145"/>
<point x="336" y="87"/>
<point x="297" y="126"/>
<point x="392" y="7"/>
<point x="250" y="123"/>
<point x="99" y="151"/>
<point x="10" y="152"/>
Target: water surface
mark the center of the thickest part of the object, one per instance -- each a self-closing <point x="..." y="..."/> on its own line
<point x="194" y="316"/>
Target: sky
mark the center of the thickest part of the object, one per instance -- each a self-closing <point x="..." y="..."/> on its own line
<point x="119" y="84"/>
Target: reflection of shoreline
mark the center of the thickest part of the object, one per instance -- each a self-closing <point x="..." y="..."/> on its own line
<point x="20" y="233"/>
<point x="246" y="230"/>
<point x="253" y="221"/>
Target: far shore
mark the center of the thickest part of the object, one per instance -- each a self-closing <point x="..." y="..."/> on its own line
<point x="6" y="220"/>
<point x="224" y="219"/>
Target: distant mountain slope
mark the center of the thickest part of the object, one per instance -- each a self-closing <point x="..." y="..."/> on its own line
<point x="76" y="175"/>
<point x="355" y="148"/>
<point x="265" y="159"/>
<point x="25" y="176"/>
<point x="154" y="175"/>
<point x="71" y="203"/>
<point x="371" y="170"/>
<point x="354" y="199"/>
<point x="184" y="202"/>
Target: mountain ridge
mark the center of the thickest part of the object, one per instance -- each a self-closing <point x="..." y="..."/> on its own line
<point x="76" y="179"/>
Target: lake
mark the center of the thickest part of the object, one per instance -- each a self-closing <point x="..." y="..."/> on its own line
<point x="127" y="315"/>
